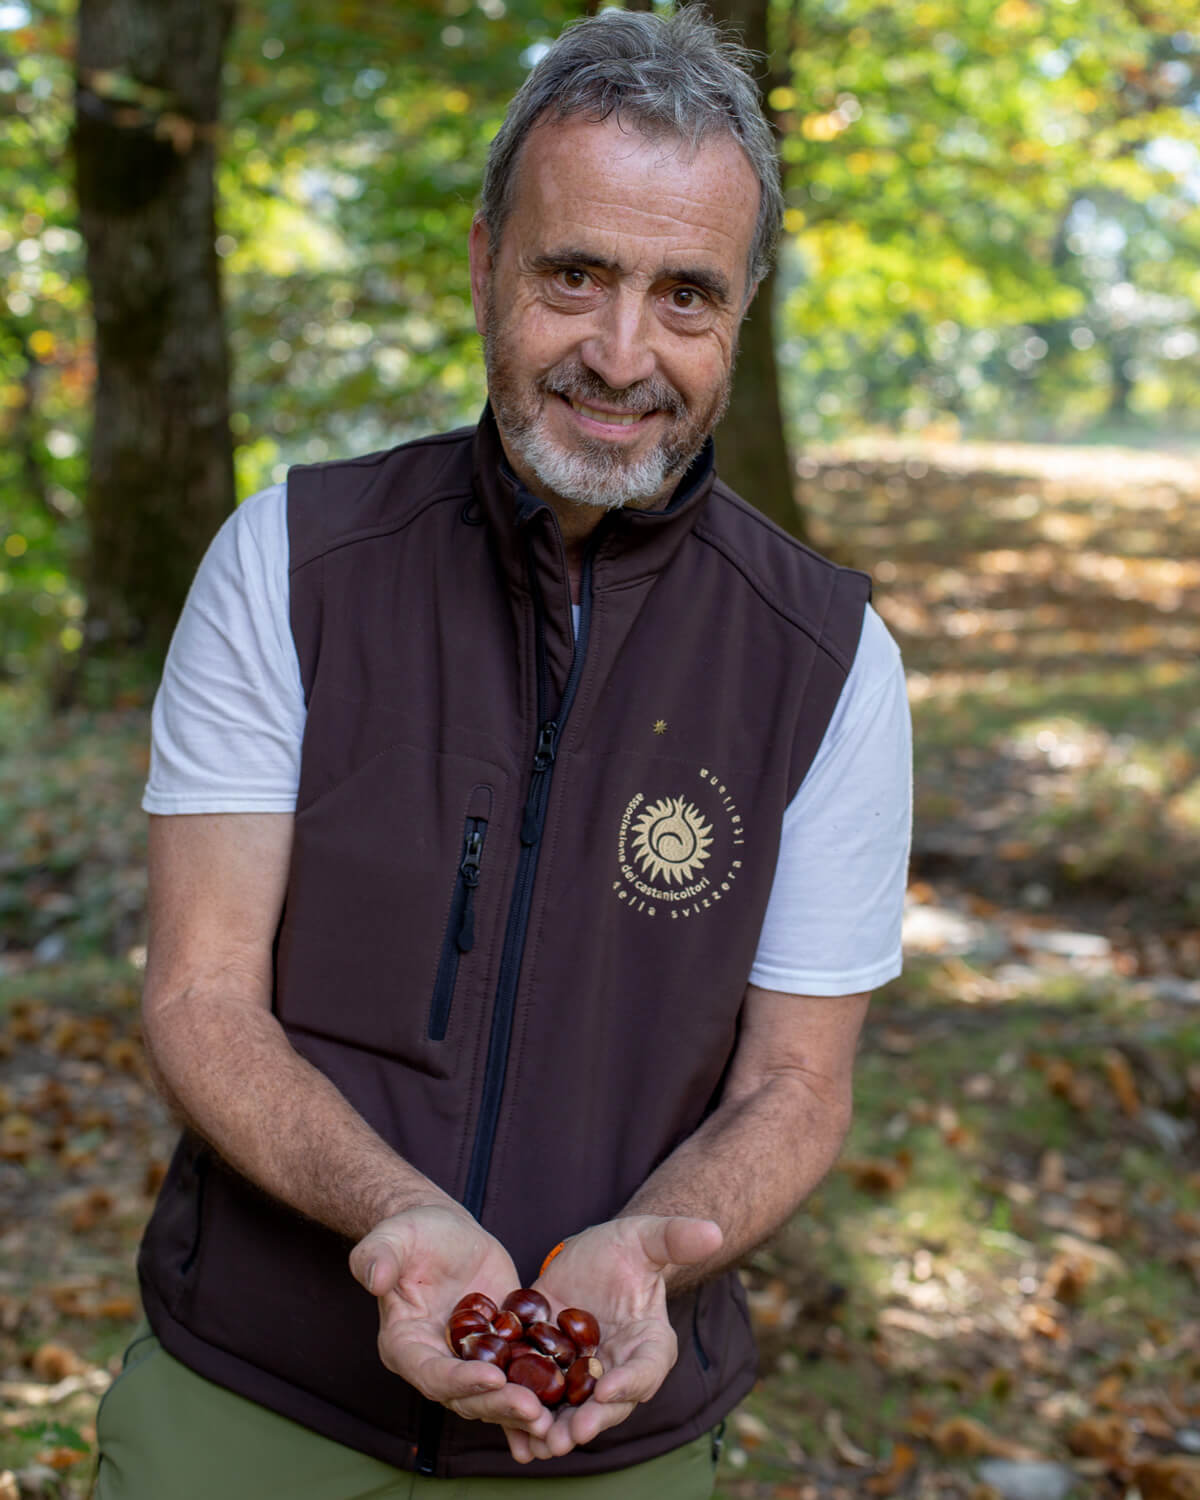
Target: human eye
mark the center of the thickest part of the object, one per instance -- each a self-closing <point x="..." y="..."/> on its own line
<point x="572" y="278"/>
<point x="687" y="299"/>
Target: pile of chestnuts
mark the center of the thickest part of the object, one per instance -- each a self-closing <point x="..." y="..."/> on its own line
<point x="555" y="1361"/>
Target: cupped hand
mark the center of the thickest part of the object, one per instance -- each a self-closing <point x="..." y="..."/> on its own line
<point x="418" y="1264"/>
<point x="617" y="1271"/>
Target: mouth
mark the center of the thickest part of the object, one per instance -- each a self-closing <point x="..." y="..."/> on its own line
<point x="597" y="420"/>
<point x="612" y="418"/>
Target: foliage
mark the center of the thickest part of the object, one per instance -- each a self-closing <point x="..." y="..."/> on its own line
<point x="995" y="212"/>
<point x="993" y="222"/>
<point x="45" y="357"/>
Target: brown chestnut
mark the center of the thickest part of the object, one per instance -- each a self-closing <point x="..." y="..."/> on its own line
<point x="582" y="1378"/>
<point x="463" y="1323"/>
<point x="529" y="1306"/>
<point x="486" y="1347"/>
<point x="480" y="1302"/>
<point x="507" y="1325"/>
<point x="581" y="1328"/>
<point x="554" y="1342"/>
<point x="539" y="1374"/>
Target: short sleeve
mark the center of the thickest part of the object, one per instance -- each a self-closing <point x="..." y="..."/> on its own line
<point x="229" y="713"/>
<point x="832" y="925"/>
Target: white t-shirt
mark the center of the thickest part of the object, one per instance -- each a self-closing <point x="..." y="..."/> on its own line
<point x="229" y="717"/>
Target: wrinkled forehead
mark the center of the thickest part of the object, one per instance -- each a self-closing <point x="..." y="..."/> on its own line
<point x="607" y="179"/>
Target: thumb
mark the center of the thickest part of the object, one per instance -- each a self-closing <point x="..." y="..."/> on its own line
<point x="376" y="1263"/>
<point x="678" y="1241"/>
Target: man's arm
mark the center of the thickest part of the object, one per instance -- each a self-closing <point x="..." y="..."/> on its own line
<point x="782" y="1118"/>
<point x="217" y="884"/>
<point x="784" y="1113"/>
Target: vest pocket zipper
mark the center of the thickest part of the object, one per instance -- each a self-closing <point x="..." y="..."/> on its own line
<point x="460" y="929"/>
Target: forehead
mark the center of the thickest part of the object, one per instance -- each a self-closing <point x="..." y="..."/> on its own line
<point x="636" y="200"/>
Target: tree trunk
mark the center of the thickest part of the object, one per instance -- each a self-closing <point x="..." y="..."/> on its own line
<point x="752" y="450"/>
<point x="161" y="464"/>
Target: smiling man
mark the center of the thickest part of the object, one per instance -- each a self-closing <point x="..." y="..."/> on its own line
<point x="530" y="821"/>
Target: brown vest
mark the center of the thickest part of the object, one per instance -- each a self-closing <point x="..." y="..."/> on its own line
<point x="526" y="890"/>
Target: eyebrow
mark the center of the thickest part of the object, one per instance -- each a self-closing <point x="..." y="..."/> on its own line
<point x="712" y="283"/>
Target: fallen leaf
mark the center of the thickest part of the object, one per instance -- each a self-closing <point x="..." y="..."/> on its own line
<point x="1121" y="1081"/>
<point x="119" y="1309"/>
<point x="60" y="1458"/>
<point x="1066" y="1083"/>
<point x="887" y="1483"/>
<point x="875" y="1174"/>
<point x="54" y="1362"/>
<point x="1067" y="1276"/>
<point x="964" y="1437"/>
<point x="1102" y="1437"/>
<point x="1176" y="1478"/>
<point x="96" y="1206"/>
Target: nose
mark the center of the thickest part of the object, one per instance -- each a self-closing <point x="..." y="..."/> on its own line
<point x="620" y="349"/>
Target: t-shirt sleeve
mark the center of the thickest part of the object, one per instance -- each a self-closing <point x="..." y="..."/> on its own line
<point x="832" y="924"/>
<point x="229" y="713"/>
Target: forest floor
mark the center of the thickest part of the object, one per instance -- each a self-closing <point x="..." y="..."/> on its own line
<point x="997" y="1291"/>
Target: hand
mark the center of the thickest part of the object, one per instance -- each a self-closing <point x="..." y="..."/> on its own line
<point x="419" y="1263"/>
<point x="618" y="1270"/>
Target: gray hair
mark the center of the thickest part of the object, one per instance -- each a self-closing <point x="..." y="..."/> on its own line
<point x="673" y="75"/>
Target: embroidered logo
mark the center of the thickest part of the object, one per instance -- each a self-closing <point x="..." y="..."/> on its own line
<point x="671" y="840"/>
<point x="679" y="854"/>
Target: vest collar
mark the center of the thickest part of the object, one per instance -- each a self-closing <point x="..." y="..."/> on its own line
<point x="628" y="544"/>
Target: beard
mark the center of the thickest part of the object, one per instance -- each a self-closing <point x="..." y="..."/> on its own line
<point x="591" y="471"/>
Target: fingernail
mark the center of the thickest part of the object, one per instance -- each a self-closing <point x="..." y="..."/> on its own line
<point x="371" y="1265"/>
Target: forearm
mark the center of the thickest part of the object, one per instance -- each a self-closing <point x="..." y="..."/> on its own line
<point x="228" y="1070"/>
<point x="748" y="1167"/>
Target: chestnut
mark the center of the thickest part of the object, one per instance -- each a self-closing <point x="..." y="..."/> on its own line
<point x="463" y="1323"/>
<point x="581" y="1328"/>
<point x="480" y="1302"/>
<point x="538" y="1373"/>
<point x="507" y="1325"/>
<point x="582" y="1378"/>
<point x="554" y="1342"/>
<point x="529" y="1306"/>
<point x="489" y="1348"/>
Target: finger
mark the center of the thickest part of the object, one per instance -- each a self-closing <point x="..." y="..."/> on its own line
<point x="561" y="1438"/>
<point x="636" y="1379"/>
<point x="518" y="1444"/>
<point x="541" y="1448"/>
<point x="505" y="1409"/>
<point x="595" y="1417"/>
<point x="679" y="1241"/>
<point x="376" y="1263"/>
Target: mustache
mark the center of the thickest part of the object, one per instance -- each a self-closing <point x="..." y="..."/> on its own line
<point x="576" y="382"/>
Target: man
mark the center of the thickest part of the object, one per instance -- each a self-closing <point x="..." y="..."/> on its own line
<point x="530" y="825"/>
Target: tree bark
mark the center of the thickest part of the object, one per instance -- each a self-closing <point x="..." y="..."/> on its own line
<point x="752" y="449"/>
<point x="161" y="464"/>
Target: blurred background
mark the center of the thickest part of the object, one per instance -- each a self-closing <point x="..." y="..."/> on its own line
<point x="232" y="238"/>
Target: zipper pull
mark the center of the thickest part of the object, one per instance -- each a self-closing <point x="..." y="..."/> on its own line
<point x="469" y="870"/>
<point x="543" y="759"/>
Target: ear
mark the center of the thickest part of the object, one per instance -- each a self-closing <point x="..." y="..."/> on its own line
<point x="480" y="252"/>
<point x="751" y="290"/>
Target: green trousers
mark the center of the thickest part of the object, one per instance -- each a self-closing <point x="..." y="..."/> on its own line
<point x="165" y="1433"/>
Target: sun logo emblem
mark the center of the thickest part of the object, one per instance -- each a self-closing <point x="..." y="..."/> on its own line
<point x="671" y="840"/>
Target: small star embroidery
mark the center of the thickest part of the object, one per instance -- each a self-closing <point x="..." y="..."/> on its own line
<point x="660" y="726"/>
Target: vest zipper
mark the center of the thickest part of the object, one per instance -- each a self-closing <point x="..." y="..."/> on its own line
<point x="460" y="928"/>
<point x="532" y="823"/>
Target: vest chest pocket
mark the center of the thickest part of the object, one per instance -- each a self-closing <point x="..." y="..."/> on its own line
<point x="389" y="929"/>
<point x="459" y="936"/>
